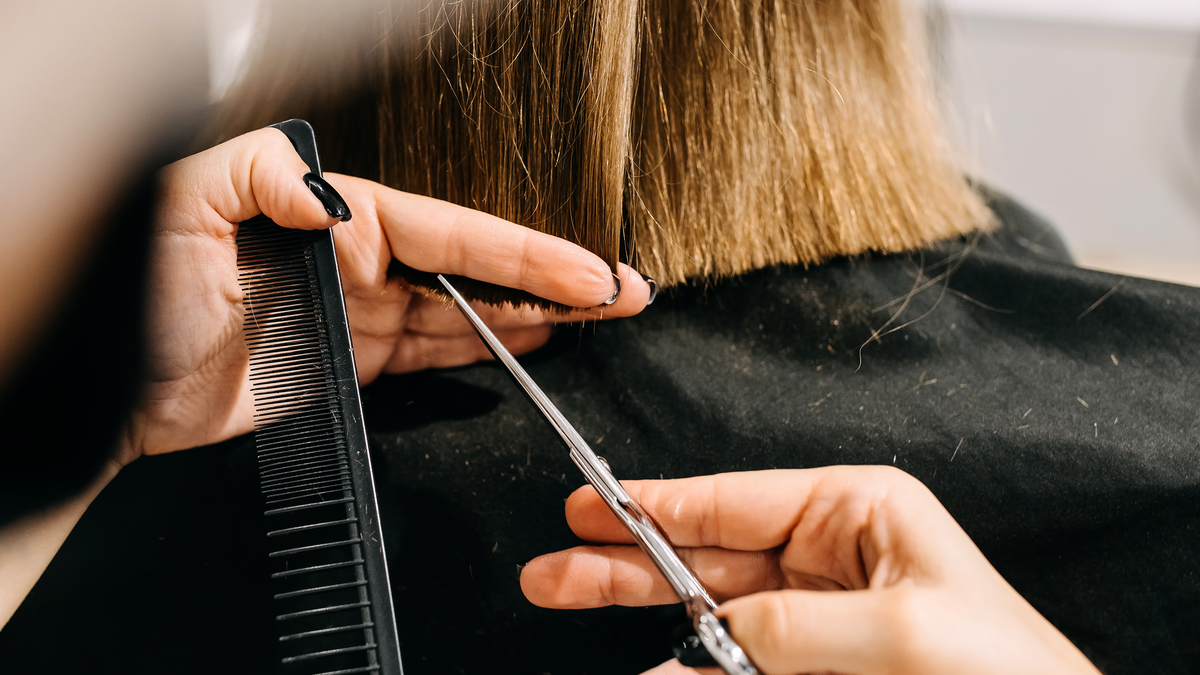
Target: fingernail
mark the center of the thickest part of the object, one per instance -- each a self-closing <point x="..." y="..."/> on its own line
<point x="521" y="565"/>
<point x="653" y="289"/>
<point x="616" y="290"/>
<point x="334" y="205"/>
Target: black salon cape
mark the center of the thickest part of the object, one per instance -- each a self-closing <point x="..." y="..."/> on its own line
<point x="1053" y="410"/>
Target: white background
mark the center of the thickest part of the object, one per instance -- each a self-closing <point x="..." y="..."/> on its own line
<point x="1147" y="13"/>
<point x="1080" y="109"/>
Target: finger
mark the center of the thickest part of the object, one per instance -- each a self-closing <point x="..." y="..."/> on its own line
<point x="255" y="173"/>
<point x="635" y="294"/>
<point x="858" y="632"/>
<point x="591" y="576"/>
<point x="436" y="236"/>
<point x="418" y="352"/>
<point x="435" y="317"/>
<point x="750" y="510"/>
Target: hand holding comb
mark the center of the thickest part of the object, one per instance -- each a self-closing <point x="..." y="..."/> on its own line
<point x="332" y="593"/>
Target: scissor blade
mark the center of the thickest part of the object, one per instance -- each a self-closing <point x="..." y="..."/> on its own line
<point x="568" y="433"/>
<point x="644" y="530"/>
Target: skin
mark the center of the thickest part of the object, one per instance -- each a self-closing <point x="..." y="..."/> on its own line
<point x="198" y="389"/>
<point x="910" y="591"/>
<point x="853" y="570"/>
<point x="135" y="77"/>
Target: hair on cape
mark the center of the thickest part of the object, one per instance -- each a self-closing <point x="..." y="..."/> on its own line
<point x="693" y="139"/>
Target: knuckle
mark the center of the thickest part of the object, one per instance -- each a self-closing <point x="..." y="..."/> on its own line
<point x="607" y="582"/>
<point x="457" y="235"/>
<point x="882" y="482"/>
<point x="524" y="259"/>
<point x="893" y="475"/>
<point x="264" y="143"/>
<point x="710" y="517"/>
<point x="624" y="581"/>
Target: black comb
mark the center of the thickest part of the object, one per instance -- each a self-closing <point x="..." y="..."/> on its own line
<point x="333" y="599"/>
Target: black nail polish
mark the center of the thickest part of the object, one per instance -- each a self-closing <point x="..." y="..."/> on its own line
<point x="521" y="565"/>
<point x="616" y="290"/>
<point x="334" y="205"/>
<point x="653" y="289"/>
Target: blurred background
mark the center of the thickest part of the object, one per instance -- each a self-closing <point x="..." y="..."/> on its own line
<point x="1087" y="111"/>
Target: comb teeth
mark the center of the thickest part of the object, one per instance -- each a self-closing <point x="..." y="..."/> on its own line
<point x="325" y="612"/>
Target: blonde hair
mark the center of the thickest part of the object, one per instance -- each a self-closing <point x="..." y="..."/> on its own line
<point x="693" y="139"/>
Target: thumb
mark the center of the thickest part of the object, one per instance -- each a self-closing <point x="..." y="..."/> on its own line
<point x="260" y="172"/>
<point x="786" y="632"/>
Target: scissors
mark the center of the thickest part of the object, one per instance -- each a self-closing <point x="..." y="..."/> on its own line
<point x="713" y="633"/>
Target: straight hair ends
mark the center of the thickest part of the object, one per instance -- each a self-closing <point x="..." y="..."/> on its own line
<point x="693" y="139"/>
<point x="787" y="132"/>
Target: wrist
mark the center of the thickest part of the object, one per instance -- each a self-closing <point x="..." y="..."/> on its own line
<point x="28" y="545"/>
<point x="131" y="443"/>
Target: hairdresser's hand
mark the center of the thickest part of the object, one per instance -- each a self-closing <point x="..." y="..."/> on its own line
<point x="396" y="330"/>
<point x="198" y="390"/>
<point x="854" y="570"/>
